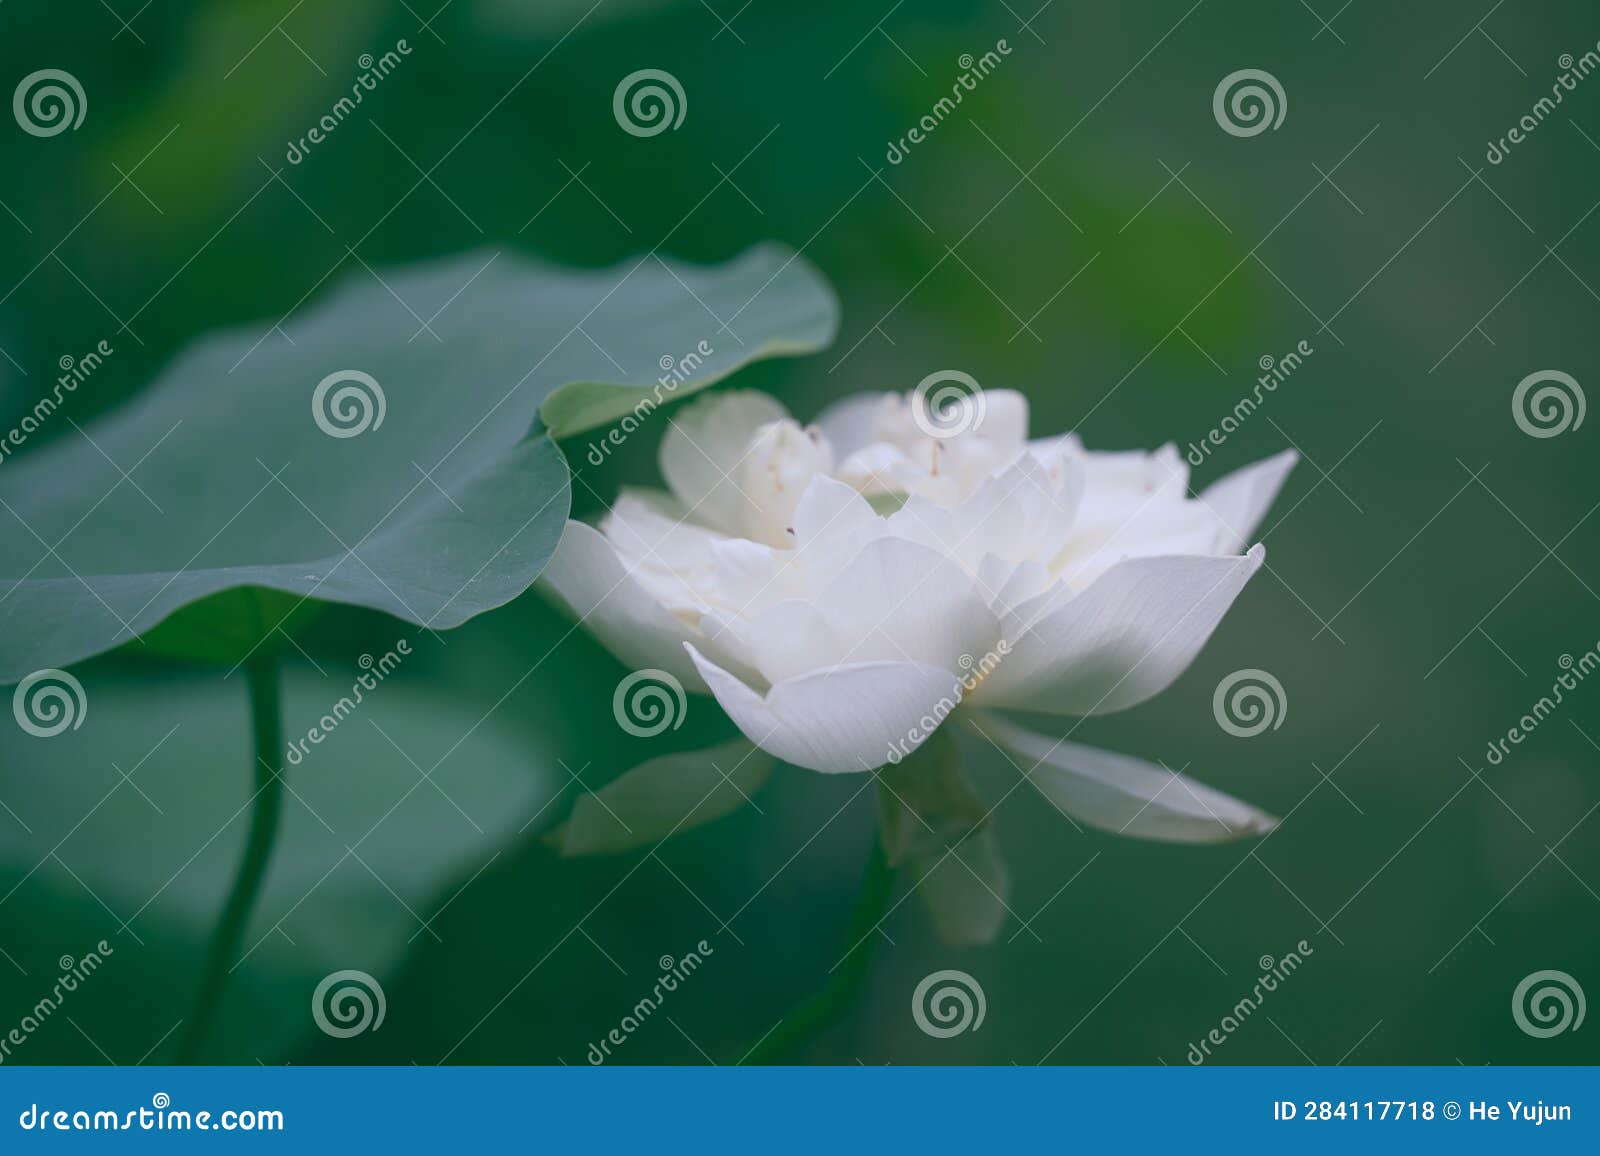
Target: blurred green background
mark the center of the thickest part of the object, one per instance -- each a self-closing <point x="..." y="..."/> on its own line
<point x="1080" y="229"/>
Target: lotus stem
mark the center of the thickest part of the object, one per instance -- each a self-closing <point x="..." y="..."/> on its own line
<point x="813" y="1017"/>
<point x="266" y="721"/>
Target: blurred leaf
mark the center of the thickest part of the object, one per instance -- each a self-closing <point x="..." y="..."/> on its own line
<point x="373" y="451"/>
<point x="661" y="797"/>
<point x="406" y="794"/>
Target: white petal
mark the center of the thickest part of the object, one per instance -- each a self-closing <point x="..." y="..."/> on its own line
<point x="1022" y="512"/>
<point x="1134" y="506"/>
<point x="832" y="525"/>
<point x="590" y="580"/>
<point x="773" y="475"/>
<point x="1123" y="794"/>
<point x="1138" y="473"/>
<point x="849" y="423"/>
<point x="1049" y="449"/>
<point x="1005" y="417"/>
<point x="743" y="571"/>
<point x="790" y="640"/>
<point x="1107" y="533"/>
<point x="651" y="526"/>
<point x="1241" y="499"/>
<point x="705" y="443"/>
<point x="669" y="554"/>
<point x="895" y="601"/>
<point x="850" y="718"/>
<point x="1006" y="585"/>
<point x="1124" y="639"/>
<point x="831" y="513"/>
<point x="883" y="468"/>
<point x="854" y="422"/>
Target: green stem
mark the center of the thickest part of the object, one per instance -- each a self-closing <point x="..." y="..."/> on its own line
<point x="829" y="1005"/>
<point x="267" y="728"/>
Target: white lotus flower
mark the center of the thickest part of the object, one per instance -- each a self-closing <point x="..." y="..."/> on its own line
<point x="842" y="588"/>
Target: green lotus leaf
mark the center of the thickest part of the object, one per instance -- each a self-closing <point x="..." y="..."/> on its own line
<point x="375" y="448"/>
